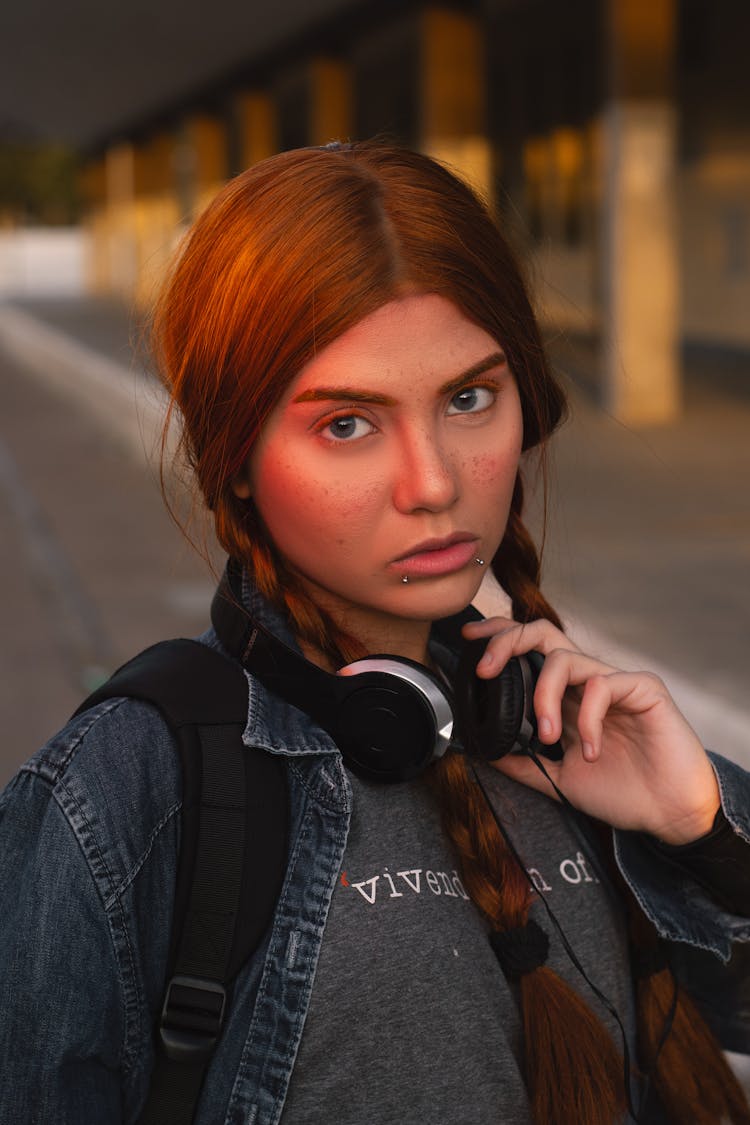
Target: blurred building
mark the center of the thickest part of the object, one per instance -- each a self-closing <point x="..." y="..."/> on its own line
<point x="611" y="136"/>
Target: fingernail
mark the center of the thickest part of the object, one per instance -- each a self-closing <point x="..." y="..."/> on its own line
<point x="485" y="660"/>
<point x="588" y="751"/>
<point x="545" y="727"/>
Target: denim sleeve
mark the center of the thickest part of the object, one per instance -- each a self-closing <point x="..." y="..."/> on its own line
<point x="62" y="1025"/>
<point x="719" y="861"/>
<point x="679" y="907"/>
<point x="710" y="954"/>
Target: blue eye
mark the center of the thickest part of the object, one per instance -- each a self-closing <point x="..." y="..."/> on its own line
<point x="347" y="426"/>
<point x="471" y="400"/>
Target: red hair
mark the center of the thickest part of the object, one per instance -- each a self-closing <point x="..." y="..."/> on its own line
<point x="288" y="256"/>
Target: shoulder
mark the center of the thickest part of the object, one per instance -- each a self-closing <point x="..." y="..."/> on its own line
<point x="89" y="837"/>
<point x="112" y="775"/>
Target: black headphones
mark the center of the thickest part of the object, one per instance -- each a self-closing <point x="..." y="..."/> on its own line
<point x="390" y="717"/>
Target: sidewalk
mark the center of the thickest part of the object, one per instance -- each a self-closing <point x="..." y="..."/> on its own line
<point x="648" y="531"/>
<point x="91" y="567"/>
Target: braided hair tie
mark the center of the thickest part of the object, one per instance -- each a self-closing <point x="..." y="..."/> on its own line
<point x="520" y="951"/>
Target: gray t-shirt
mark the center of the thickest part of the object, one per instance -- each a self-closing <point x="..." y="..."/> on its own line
<point x="411" y="1020"/>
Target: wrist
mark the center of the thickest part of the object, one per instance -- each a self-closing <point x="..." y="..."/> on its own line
<point x="693" y="829"/>
<point x="719" y="862"/>
<point x="718" y="826"/>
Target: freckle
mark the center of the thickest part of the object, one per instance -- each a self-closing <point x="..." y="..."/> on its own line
<point x="484" y="469"/>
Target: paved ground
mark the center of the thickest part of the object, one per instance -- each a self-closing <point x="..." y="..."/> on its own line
<point x="91" y="567"/>
<point x="647" y="549"/>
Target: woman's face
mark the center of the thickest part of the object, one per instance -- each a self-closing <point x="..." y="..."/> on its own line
<point x="392" y="455"/>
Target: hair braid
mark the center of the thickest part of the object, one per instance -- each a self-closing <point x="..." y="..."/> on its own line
<point x="517" y="568"/>
<point x="693" y="1079"/>
<point x="689" y="1071"/>
<point x="242" y="535"/>
<point x="573" y="1070"/>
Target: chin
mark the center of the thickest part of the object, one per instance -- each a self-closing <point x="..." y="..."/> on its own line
<point x="443" y="600"/>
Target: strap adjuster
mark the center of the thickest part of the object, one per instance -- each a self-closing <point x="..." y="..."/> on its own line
<point x="192" y="1018"/>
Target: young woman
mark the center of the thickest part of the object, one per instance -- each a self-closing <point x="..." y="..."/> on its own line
<point x="358" y="373"/>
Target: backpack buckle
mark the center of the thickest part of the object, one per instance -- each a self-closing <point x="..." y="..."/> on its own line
<point x="192" y="1018"/>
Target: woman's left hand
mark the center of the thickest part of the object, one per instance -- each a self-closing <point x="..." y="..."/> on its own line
<point x="630" y="757"/>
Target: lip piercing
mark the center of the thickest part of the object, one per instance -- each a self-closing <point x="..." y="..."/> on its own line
<point x="479" y="562"/>
<point x="405" y="579"/>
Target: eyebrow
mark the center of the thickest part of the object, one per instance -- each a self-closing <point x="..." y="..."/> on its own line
<point x="352" y="394"/>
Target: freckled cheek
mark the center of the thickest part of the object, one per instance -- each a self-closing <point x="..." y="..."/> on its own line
<point x="492" y="471"/>
<point x="289" y="497"/>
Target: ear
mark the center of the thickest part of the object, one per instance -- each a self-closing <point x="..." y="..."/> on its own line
<point x="241" y="488"/>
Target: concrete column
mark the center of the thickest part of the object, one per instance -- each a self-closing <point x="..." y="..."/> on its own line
<point x="120" y="189"/>
<point x="639" y="248"/>
<point x="452" y="99"/>
<point x="539" y="185"/>
<point x="156" y="213"/>
<point x="206" y="140"/>
<point x="257" y="127"/>
<point x="330" y="101"/>
<point x="94" y="193"/>
<point x="568" y="159"/>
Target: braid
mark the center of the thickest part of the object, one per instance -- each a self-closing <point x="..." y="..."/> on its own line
<point x="690" y="1073"/>
<point x="693" y="1079"/>
<point x="573" y="1070"/>
<point x="517" y="568"/>
<point x="241" y="534"/>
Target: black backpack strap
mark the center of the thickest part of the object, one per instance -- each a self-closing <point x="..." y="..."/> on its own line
<point x="232" y="859"/>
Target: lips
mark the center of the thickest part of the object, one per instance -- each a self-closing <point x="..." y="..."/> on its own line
<point x="435" y="557"/>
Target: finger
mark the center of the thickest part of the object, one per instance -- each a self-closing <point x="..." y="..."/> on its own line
<point x="636" y="692"/>
<point x="508" y="638"/>
<point x="486" y="626"/>
<point x="562" y="669"/>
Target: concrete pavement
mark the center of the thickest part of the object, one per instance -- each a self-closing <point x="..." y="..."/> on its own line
<point x="91" y="566"/>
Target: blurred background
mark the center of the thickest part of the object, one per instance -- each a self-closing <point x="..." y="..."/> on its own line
<point x="612" y="139"/>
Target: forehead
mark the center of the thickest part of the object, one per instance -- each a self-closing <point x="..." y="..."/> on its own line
<point x="416" y="338"/>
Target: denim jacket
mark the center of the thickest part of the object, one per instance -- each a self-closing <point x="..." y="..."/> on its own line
<point x="89" y="837"/>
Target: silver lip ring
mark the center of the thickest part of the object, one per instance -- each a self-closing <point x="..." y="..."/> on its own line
<point x="405" y="579"/>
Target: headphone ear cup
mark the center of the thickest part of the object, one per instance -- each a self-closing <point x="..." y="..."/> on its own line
<point x="489" y="713"/>
<point x="392" y="717"/>
<point x="384" y="732"/>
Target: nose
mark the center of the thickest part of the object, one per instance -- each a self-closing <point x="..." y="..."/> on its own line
<point x="426" y="476"/>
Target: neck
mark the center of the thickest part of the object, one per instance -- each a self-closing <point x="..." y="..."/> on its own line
<point x="371" y="631"/>
<point x="386" y="641"/>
